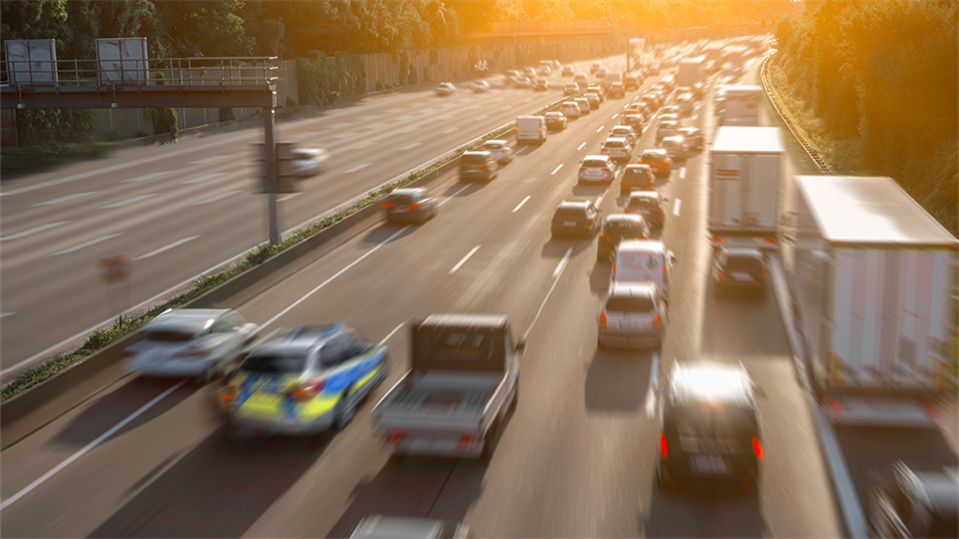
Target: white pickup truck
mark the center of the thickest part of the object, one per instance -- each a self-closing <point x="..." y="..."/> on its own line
<point x="463" y="381"/>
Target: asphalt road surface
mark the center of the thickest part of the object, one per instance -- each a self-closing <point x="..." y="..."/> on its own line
<point x="576" y="458"/>
<point x="180" y="210"/>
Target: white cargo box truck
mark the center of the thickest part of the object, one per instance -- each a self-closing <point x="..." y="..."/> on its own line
<point x="873" y="277"/>
<point x="745" y="174"/>
<point x="690" y="71"/>
<point x="741" y="105"/>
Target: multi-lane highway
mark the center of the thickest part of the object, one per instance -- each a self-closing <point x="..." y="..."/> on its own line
<point x="179" y="210"/>
<point x="576" y="458"/>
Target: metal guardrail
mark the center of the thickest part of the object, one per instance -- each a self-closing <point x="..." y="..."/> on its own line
<point x="127" y="73"/>
<point x="810" y="152"/>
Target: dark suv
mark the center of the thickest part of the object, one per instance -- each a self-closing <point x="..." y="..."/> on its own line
<point x="619" y="226"/>
<point x="909" y="500"/>
<point x="573" y="218"/>
<point x="409" y="205"/>
<point x="709" y="427"/>
<point x="478" y="166"/>
<point x="739" y="270"/>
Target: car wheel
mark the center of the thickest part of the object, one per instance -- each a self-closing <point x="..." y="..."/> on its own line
<point x="489" y="442"/>
<point x="344" y="411"/>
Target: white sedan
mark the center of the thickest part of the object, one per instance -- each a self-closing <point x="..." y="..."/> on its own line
<point x="500" y="150"/>
<point x="189" y="343"/>
<point x="445" y="88"/>
<point x="309" y="161"/>
<point x="479" y="86"/>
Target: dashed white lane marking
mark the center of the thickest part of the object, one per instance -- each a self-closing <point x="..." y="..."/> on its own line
<point x="562" y="263"/>
<point x="215" y="198"/>
<point x="483" y="117"/>
<point x="128" y="201"/>
<point x="581" y="146"/>
<point x="682" y="173"/>
<point x="408" y="130"/>
<point x="653" y="386"/>
<point x="34" y="230"/>
<point x="89" y="446"/>
<point x="411" y="146"/>
<point x="288" y="197"/>
<point x="614" y="116"/>
<point x="507" y="107"/>
<point x="555" y="170"/>
<point x="527" y="100"/>
<point x="143" y="177"/>
<point x="520" y="205"/>
<point x="450" y="130"/>
<point x="205" y="177"/>
<point x="695" y="116"/>
<point x="601" y="128"/>
<point x="86" y="244"/>
<point x="465" y="258"/>
<point x="211" y="159"/>
<point x="676" y="207"/>
<point x="357" y="168"/>
<point x="464" y="188"/>
<point x="167" y="248"/>
<point x="62" y="199"/>
<point x="4" y="315"/>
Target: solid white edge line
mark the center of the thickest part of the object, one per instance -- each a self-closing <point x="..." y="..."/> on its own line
<point x="90" y="446"/>
<point x="4" y="315"/>
<point x="652" y="392"/>
<point x="465" y="258"/>
<point x="562" y="263"/>
<point x="520" y="205"/>
<point x="357" y="168"/>
<point x="676" y="207"/>
<point x="167" y="248"/>
<point x="855" y="519"/>
<point x="542" y="305"/>
<point x="217" y="198"/>
<point x="390" y="334"/>
<point x="555" y="170"/>
<point x="328" y="281"/>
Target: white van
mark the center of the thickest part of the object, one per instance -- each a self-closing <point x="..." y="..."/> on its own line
<point x="530" y="129"/>
<point x="643" y="260"/>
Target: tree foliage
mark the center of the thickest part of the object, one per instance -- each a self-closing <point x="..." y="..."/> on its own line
<point x="881" y="77"/>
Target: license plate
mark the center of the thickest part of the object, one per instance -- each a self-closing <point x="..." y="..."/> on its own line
<point x="569" y="223"/>
<point x="742" y="276"/>
<point x="710" y="464"/>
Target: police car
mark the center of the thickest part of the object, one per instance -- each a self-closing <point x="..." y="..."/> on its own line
<point x="306" y="383"/>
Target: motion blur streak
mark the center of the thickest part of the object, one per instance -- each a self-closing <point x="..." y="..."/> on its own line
<point x="90" y="445"/>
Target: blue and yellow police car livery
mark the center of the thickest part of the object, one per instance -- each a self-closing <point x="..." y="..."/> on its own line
<point x="305" y="383"/>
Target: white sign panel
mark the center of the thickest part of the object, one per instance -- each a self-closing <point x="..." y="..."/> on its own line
<point x="31" y="61"/>
<point x="122" y="60"/>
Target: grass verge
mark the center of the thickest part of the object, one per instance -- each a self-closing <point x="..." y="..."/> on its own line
<point x="104" y="336"/>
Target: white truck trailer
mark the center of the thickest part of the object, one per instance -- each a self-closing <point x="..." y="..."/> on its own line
<point x="740" y="105"/>
<point x="463" y="381"/>
<point x="746" y="165"/>
<point x="873" y="277"/>
<point x="691" y="71"/>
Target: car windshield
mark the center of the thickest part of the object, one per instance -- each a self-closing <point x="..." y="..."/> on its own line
<point x="630" y="304"/>
<point x="743" y="263"/>
<point x="275" y="363"/>
<point x="594" y="163"/>
<point x="614" y="144"/>
<point x="474" y="159"/>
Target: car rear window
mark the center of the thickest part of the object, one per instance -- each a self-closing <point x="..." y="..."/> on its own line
<point x="569" y="213"/>
<point x="637" y="202"/>
<point x="652" y="157"/>
<point x="630" y="304"/>
<point x="401" y="200"/>
<point x="710" y="428"/>
<point x="743" y="263"/>
<point x="170" y="336"/>
<point x="474" y="159"/>
<point x="636" y="174"/>
<point x="274" y="363"/>
<point x="622" y="131"/>
<point x="593" y="163"/>
<point x="454" y="345"/>
<point x="613" y="144"/>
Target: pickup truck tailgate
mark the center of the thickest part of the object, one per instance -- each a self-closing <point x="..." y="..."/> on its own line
<point x="437" y="401"/>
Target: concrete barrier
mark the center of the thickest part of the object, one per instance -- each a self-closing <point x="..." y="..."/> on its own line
<point x="31" y="410"/>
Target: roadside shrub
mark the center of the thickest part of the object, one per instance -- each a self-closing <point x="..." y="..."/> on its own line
<point x="165" y="121"/>
<point x="227" y="115"/>
<point x="116" y="136"/>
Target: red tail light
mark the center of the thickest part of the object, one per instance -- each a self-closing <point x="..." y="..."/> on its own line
<point x="602" y="320"/>
<point x="931" y="410"/>
<point x="386" y="206"/>
<point x="604" y="236"/>
<point x="413" y="207"/>
<point x="757" y="448"/>
<point x="721" y="276"/>
<point x="465" y="440"/>
<point x="307" y="390"/>
<point x="394" y="438"/>
<point x="193" y="353"/>
<point x="482" y="167"/>
<point x="656" y="321"/>
<point x="662" y="445"/>
<point x="835" y="406"/>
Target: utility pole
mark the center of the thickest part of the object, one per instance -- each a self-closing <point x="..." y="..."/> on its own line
<point x="269" y="144"/>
